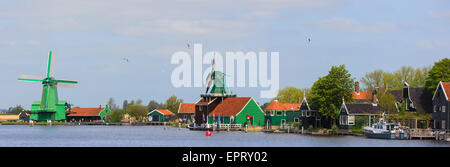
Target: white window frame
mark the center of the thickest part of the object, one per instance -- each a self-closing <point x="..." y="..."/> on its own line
<point x="443" y="108"/>
<point x="351" y="120"/>
<point x="279" y="114"/>
<point x="283" y="122"/>
<point x="443" y="124"/>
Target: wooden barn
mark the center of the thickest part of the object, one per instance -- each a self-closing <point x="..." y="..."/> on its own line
<point x="89" y="114"/>
<point x="160" y="115"/>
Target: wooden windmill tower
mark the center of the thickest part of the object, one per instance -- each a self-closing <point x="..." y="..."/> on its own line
<point x="49" y="108"/>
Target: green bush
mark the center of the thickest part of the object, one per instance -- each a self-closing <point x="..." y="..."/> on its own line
<point x="359" y="129"/>
<point x="334" y="128"/>
<point x="117" y="115"/>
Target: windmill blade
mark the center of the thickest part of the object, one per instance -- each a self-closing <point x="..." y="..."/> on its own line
<point x="30" y="78"/>
<point x="209" y="78"/>
<point x="66" y="81"/>
<point x="66" y="85"/>
<point x="51" y="65"/>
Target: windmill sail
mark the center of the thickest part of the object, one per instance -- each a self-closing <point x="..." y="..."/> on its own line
<point x="30" y="78"/>
<point x="66" y="85"/>
<point x="51" y="65"/>
<point x="210" y="78"/>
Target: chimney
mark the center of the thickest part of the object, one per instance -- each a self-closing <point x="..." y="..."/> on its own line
<point x="357" y="87"/>
<point x="374" y="97"/>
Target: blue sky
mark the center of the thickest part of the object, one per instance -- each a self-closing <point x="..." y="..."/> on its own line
<point x="91" y="38"/>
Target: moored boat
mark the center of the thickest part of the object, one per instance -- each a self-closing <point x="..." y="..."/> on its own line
<point x="383" y="130"/>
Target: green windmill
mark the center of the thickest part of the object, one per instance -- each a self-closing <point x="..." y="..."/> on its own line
<point x="218" y="78"/>
<point x="49" y="108"/>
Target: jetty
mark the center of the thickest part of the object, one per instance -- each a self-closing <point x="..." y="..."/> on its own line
<point x="430" y="134"/>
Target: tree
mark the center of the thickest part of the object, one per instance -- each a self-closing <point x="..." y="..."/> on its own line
<point x="394" y="80"/>
<point x="265" y="105"/>
<point x="289" y="94"/>
<point x="439" y="72"/>
<point x="139" y="101"/>
<point x="117" y="115"/>
<point x="138" y="111"/>
<point x="172" y="104"/>
<point x="328" y="92"/>
<point x="112" y="104"/>
<point x="153" y="105"/>
<point x="125" y="104"/>
<point x="373" y="79"/>
<point x="387" y="102"/>
<point x="16" y="110"/>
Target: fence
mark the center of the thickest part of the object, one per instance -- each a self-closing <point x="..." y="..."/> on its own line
<point x="231" y="126"/>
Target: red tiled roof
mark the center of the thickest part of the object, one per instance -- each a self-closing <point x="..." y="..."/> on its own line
<point x="86" y="111"/>
<point x="231" y="106"/>
<point x="277" y="106"/>
<point x="165" y="112"/>
<point x="446" y="87"/>
<point x="361" y="95"/>
<point x="187" y="108"/>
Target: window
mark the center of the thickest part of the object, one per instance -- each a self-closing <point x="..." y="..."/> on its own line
<point x="443" y="124"/>
<point x="279" y="113"/>
<point x="343" y="120"/>
<point x="351" y="120"/>
<point x="296" y="120"/>
<point x="443" y="108"/>
<point x="435" y="108"/>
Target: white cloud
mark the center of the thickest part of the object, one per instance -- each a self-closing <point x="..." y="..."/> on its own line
<point x="354" y="26"/>
<point x="150" y="16"/>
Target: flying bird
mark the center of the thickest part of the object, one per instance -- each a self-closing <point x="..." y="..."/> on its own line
<point x="189" y="46"/>
<point x="126" y="59"/>
<point x="309" y="40"/>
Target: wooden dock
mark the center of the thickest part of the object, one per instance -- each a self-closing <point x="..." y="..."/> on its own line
<point x="421" y="134"/>
<point x="431" y="134"/>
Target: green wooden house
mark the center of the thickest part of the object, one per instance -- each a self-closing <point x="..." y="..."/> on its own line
<point x="160" y="115"/>
<point x="413" y="99"/>
<point x="237" y="110"/>
<point x="310" y="117"/>
<point x="278" y="115"/>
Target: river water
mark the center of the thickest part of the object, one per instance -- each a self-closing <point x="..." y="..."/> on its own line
<point x="156" y="136"/>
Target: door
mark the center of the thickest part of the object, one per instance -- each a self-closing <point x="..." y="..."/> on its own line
<point x="156" y="118"/>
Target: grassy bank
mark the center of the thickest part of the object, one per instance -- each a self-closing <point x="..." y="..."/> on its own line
<point x="36" y="123"/>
